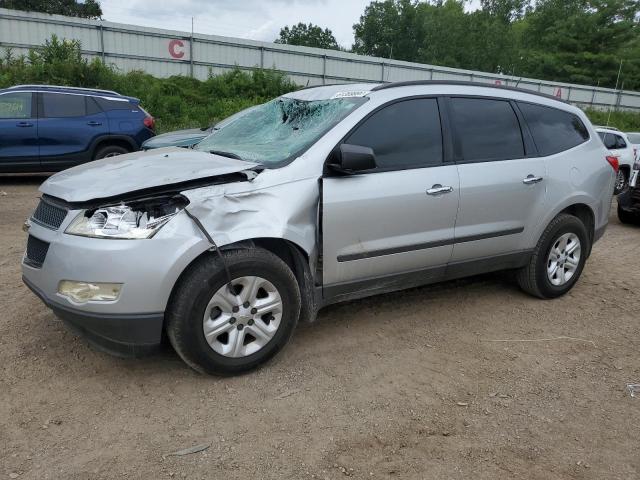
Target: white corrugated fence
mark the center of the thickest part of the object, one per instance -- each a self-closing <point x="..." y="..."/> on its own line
<point x="166" y="52"/>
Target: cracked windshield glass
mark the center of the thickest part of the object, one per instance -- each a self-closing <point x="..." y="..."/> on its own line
<point x="278" y="130"/>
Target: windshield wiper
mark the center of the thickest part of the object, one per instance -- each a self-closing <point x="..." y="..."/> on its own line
<point x="226" y="154"/>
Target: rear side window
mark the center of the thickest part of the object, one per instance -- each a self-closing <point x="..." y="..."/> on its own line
<point x="15" y="105"/>
<point x="56" y="105"/>
<point x="487" y="129"/>
<point x="612" y="141"/>
<point x="115" y="104"/>
<point x="553" y="130"/>
<point x="405" y="134"/>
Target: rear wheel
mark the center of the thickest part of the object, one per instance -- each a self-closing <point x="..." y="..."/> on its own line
<point x="558" y="259"/>
<point x="109" y="151"/>
<point x="225" y="329"/>
<point x="622" y="182"/>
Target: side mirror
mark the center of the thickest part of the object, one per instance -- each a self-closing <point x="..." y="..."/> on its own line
<point x="352" y="159"/>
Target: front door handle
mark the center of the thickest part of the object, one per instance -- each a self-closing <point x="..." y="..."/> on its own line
<point x="438" y="189"/>
<point x="531" y="179"/>
<point x="24" y="124"/>
<point x="94" y="123"/>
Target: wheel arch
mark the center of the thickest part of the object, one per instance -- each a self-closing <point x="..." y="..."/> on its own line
<point x="292" y="254"/>
<point x="120" y="140"/>
<point x="586" y="215"/>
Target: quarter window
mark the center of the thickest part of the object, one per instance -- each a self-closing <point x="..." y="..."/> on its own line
<point x="487" y="129"/>
<point x="612" y="141"/>
<point x="553" y="130"/>
<point x="63" y="105"/>
<point x="15" y="105"/>
<point x="405" y="134"/>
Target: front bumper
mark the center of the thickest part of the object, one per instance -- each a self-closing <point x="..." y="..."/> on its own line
<point x="147" y="269"/>
<point x="122" y="335"/>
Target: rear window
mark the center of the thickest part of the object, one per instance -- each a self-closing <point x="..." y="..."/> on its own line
<point x="15" y="105"/>
<point x="634" y="137"/>
<point x="487" y="129"/>
<point x="553" y="130"/>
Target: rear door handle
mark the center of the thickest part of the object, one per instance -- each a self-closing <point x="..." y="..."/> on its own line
<point x="438" y="189"/>
<point x="531" y="179"/>
<point x="24" y="124"/>
<point x="94" y="123"/>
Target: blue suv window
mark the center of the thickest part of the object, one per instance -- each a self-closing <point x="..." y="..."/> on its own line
<point x="63" y="105"/>
<point x="15" y="105"/>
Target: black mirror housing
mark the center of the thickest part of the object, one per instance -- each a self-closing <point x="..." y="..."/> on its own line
<point x="353" y="159"/>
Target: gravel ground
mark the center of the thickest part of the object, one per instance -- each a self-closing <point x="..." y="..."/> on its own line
<point x="468" y="379"/>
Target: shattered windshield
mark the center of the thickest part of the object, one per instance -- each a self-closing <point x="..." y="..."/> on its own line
<point x="278" y="130"/>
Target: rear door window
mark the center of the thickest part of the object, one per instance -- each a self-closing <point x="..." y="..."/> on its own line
<point x="16" y="105"/>
<point x="486" y="129"/>
<point x="553" y="130"/>
<point x="56" y="105"/>
<point x="405" y="134"/>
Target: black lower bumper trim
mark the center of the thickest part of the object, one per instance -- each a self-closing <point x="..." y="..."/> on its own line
<point x="123" y="335"/>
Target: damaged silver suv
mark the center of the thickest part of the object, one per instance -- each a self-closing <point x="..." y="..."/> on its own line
<point x="322" y="195"/>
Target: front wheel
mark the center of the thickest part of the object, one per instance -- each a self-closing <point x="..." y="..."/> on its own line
<point x="109" y="151"/>
<point x="226" y="328"/>
<point x="628" y="217"/>
<point x="558" y="259"/>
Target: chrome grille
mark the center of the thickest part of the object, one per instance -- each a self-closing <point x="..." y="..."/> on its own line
<point x="36" y="252"/>
<point x="49" y="215"/>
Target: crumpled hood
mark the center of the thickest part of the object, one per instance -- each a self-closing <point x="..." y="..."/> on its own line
<point x="138" y="171"/>
<point x="179" y="138"/>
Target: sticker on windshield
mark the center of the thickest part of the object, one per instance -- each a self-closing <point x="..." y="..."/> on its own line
<point x="351" y="94"/>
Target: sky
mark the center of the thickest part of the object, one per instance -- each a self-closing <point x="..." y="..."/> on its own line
<point x="250" y="19"/>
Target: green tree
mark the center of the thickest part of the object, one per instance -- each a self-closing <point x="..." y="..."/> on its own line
<point x="308" y="36"/>
<point x="70" y="8"/>
<point x="390" y="29"/>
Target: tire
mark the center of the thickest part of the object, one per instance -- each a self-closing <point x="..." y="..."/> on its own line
<point x="628" y="217"/>
<point x="535" y="278"/>
<point x="621" y="183"/>
<point x="207" y="280"/>
<point x="109" y="151"/>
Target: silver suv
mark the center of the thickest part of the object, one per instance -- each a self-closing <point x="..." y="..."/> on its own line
<point x="319" y="196"/>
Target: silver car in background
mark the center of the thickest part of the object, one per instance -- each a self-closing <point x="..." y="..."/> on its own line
<point x="322" y="195"/>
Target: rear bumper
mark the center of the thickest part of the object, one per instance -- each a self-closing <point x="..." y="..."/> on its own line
<point x="123" y="335"/>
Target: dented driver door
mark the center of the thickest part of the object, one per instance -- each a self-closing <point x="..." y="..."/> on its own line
<point x="394" y="223"/>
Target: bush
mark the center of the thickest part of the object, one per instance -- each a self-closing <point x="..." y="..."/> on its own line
<point x="175" y="102"/>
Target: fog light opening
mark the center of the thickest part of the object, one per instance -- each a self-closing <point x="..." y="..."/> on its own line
<point x="83" y="292"/>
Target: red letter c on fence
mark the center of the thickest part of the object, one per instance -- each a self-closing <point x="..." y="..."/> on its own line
<point x="174" y="45"/>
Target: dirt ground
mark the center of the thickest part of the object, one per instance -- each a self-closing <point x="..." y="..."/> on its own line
<point x="469" y="379"/>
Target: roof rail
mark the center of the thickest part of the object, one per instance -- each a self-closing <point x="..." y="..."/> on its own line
<point x="464" y="83"/>
<point x="66" y="87"/>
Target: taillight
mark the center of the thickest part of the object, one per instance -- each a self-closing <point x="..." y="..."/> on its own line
<point x="613" y="161"/>
<point x="149" y="122"/>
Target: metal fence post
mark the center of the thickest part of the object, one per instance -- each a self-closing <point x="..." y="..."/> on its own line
<point x="191" y="40"/>
<point x="324" y="69"/>
<point x="101" y="41"/>
<point x="261" y="57"/>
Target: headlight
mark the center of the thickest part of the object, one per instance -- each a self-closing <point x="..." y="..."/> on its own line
<point x="132" y="220"/>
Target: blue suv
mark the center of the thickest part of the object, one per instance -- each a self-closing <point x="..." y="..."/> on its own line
<point x="47" y="128"/>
